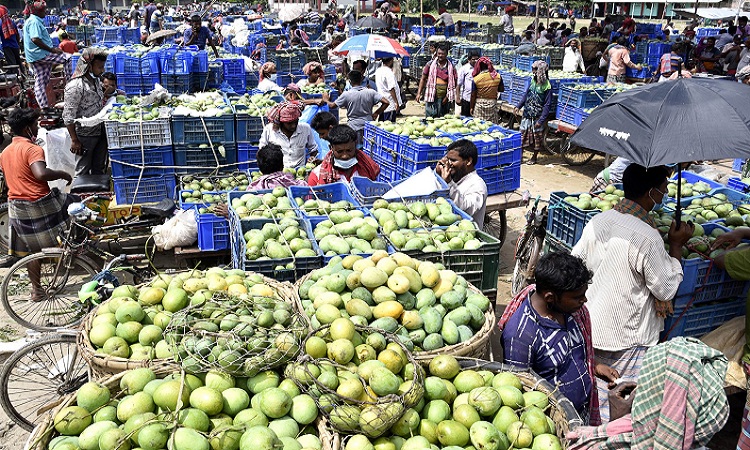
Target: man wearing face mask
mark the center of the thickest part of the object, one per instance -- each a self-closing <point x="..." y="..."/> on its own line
<point x="467" y="189"/>
<point x="37" y="213"/>
<point x="635" y="278"/>
<point x="344" y="160"/>
<point x="84" y="97"/>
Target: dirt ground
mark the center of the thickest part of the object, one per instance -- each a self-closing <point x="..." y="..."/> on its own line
<point x="550" y="174"/>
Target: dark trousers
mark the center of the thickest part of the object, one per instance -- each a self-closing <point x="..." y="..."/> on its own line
<point x="388" y="116"/>
<point x="13" y="57"/>
<point x="466" y="108"/>
<point x="93" y="161"/>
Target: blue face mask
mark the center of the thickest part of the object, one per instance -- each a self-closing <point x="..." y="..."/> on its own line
<point x="659" y="204"/>
<point x="345" y="163"/>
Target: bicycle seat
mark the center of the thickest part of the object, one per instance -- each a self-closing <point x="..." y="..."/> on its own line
<point x="165" y="208"/>
<point x="90" y="183"/>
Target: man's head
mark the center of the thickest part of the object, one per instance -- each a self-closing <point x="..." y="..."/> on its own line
<point x="195" y="22"/>
<point x="528" y="34"/>
<point x="647" y="187"/>
<point x="442" y="53"/>
<point x="562" y="280"/>
<point x="109" y="83"/>
<point x="270" y="159"/>
<point x="355" y="77"/>
<point x="462" y="156"/>
<point x="710" y="42"/>
<point x="24" y="122"/>
<point x="39" y="9"/>
<point x="441" y="10"/>
<point x="742" y="21"/>
<point x="510" y="10"/>
<point x="388" y="62"/>
<point x="96" y="66"/>
<point x="737" y="39"/>
<point x="359" y="65"/>
<point x="62" y="35"/>
<point x="343" y="145"/>
<point x="292" y="92"/>
<point x="323" y="122"/>
<point x="160" y="6"/>
<point x="676" y="47"/>
<point x="473" y="56"/>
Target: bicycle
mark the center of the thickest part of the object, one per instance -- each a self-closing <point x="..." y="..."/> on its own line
<point x="529" y="247"/>
<point x="49" y="300"/>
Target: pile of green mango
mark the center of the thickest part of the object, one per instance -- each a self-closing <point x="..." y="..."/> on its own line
<point x="688" y="189"/>
<point x="237" y="181"/>
<point x="275" y="204"/>
<point x="316" y="207"/>
<point x="713" y="207"/>
<point x="459" y="236"/>
<point x="348" y="232"/>
<point x="284" y="239"/>
<point x="397" y="215"/>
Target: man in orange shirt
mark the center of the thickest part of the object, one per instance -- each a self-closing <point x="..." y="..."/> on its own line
<point x="66" y="44"/>
<point x="37" y="213"/>
<point x="619" y="58"/>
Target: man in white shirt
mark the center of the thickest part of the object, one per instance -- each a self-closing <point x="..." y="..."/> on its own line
<point x="294" y="137"/>
<point x="467" y="189"/>
<point x="744" y="56"/>
<point x="446" y="19"/>
<point x="465" y="83"/>
<point x="387" y="85"/>
<point x="635" y="278"/>
<point x="506" y="21"/>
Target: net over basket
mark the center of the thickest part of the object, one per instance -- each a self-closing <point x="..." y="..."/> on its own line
<point x="367" y="399"/>
<point x="239" y="336"/>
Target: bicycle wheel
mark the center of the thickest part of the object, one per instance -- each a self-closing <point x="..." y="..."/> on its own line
<point x="553" y="140"/>
<point x="496" y="225"/>
<point x="575" y="155"/>
<point x="59" y="307"/>
<point x="35" y="377"/>
<point x="527" y="256"/>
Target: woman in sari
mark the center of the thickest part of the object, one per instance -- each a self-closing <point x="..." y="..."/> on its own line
<point x="536" y="104"/>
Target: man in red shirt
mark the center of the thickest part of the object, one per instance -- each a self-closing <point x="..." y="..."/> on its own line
<point x="66" y="44"/>
<point x="628" y="27"/>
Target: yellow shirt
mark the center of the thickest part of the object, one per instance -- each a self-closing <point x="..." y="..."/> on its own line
<point x="487" y="87"/>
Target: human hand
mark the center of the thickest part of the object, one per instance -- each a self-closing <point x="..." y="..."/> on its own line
<point x="680" y="236"/>
<point x="221" y="210"/>
<point x="607" y="373"/>
<point x="445" y="100"/>
<point x="374" y="117"/>
<point x="663" y="309"/>
<point x="727" y="240"/>
<point x="76" y="148"/>
<point x="621" y="400"/>
<point x="56" y="51"/>
<point x="444" y="169"/>
<point x="66" y="176"/>
<point x="418" y="97"/>
<point x="458" y="102"/>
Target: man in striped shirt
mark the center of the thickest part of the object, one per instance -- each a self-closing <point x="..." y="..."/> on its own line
<point x="635" y="278"/>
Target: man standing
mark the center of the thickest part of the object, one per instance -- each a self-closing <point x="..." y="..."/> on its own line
<point x="358" y="102"/>
<point x="619" y="59"/>
<point x="507" y="20"/>
<point x="385" y="80"/>
<point x="10" y="35"/>
<point x="467" y="189"/>
<point x="438" y="84"/>
<point x="709" y="57"/>
<point x="446" y="19"/>
<point x="84" y="97"/>
<point x="285" y="130"/>
<point x="157" y="19"/>
<point x="635" y="278"/>
<point x="198" y="35"/>
<point x="40" y="53"/>
<point x="465" y="83"/>
<point x="148" y="12"/>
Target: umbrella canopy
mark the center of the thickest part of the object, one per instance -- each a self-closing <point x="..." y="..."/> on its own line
<point x="672" y="122"/>
<point x="160" y="34"/>
<point x="370" y="22"/>
<point x="372" y="45"/>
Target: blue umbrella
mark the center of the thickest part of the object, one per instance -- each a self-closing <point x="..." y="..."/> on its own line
<point x="372" y="45"/>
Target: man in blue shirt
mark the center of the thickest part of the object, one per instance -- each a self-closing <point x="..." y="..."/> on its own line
<point x="198" y="35"/>
<point x="10" y="36"/>
<point x="40" y="52"/>
<point x="157" y="19"/>
<point x="547" y="329"/>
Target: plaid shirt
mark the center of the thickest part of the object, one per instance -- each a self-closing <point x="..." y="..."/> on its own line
<point x="84" y="97"/>
<point x="626" y="206"/>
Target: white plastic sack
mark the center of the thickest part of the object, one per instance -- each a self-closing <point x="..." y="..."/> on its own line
<point x="240" y="38"/>
<point x="424" y="182"/>
<point x="100" y="117"/>
<point x="179" y="231"/>
<point x="57" y="153"/>
<point x="239" y="25"/>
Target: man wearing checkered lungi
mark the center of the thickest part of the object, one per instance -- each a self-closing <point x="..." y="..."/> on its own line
<point x="41" y="53"/>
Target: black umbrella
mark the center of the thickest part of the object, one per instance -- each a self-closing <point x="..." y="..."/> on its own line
<point x="688" y="119"/>
<point x="370" y="22"/>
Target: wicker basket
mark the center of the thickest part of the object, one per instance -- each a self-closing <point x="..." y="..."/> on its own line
<point x="476" y="347"/>
<point x="42" y="433"/>
<point x="103" y="365"/>
<point x="563" y="413"/>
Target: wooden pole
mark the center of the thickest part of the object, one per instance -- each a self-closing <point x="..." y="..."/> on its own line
<point x="421" y="16"/>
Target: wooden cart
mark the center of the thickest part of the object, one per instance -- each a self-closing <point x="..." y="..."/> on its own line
<point x="495" y="218"/>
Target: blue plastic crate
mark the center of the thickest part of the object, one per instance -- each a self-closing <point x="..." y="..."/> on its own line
<point x="213" y="232"/>
<point x="367" y="191"/>
<point x="234" y="67"/>
<point x="131" y="84"/>
<point x="148" y="82"/>
<point x="645" y="72"/>
<point x="389" y="172"/>
<point x="737" y="184"/>
<point x="566" y="113"/>
<point x="150" y="64"/>
<point x="108" y="35"/>
<point x="191" y="159"/>
<point x="501" y="178"/>
<point x="333" y="192"/>
<point x="236" y="83"/>
<point x="523" y="62"/>
<point x="201" y="130"/>
<point x="249" y="128"/>
<point x="176" y="62"/>
<point x="251" y="80"/>
<point x="565" y="222"/>
<point x="699" y="320"/>
<point x="156" y="161"/>
<point x="510" y="142"/>
<point x="200" y="61"/>
<point x="580" y="116"/>
<point x="285" y="78"/>
<point x="414" y="156"/>
<point x="247" y="156"/>
<point x="582" y="98"/>
<point x="198" y="82"/>
<point x="144" y="190"/>
<point x="737" y="165"/>
<point x="127" y="65"/>
<point x="176" y="84"/>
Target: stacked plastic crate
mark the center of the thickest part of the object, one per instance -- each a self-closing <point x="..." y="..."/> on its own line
<point x="204" y="144"/>
<point x="234" y="74"/>
<point x="248" y="131"/>
<point x="142" y="160"/>
<point x="575" y="101"/>
<point x="648" y="54"/>
<point x="199" y="71"/>
<point x="136" y="75"/>
<point x="288" y="66"/>
<point x="176" y="65"/>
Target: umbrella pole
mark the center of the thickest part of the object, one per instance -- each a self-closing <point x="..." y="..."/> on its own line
<point x="678" y="211"/>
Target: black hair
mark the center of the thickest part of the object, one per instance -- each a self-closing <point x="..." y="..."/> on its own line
<point x="473" y="52"/>
<point x="109" y="76"/>
<point x="323" y="120"/>
<point x="465" y="149"/>
<point x="676" y="47"/>
<point x="361" y="62"/>
<point x="195" y="17"/>
<point x="443" y="46"/>
<point x="566" y="32"/>
<point x="62" y="35"/>
<point x="723" y="31"/>
<point x="622" y="40"/>
<point x="341" y="134"/>
<point x="20" y="118"/>
<point x="638" y="180"/>
<point x="387" y="61"/>
<point x="560" y="272"/>
<point x="742" y="19"/>
<point x="270" y="159"/>
<point x="355" y="76"/>
<point x="711" y="38"/>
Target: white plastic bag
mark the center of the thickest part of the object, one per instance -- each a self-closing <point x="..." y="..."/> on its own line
<point x="57" y="154"/>
<point x="424" y="182"/>
<point x="179" y="231"/>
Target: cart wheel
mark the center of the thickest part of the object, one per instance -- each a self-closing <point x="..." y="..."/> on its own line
<point x="552" y="140"/>
<point x="575" y="155"/>
<point x="496" y="225"/>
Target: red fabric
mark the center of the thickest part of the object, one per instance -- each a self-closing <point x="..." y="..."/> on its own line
<point x="365" y="167"/>
<point x="9" y="29"/>
<point x="68" y="46"/>
<point x="510" y="8"/>
<point x="583" y="320"/>
<point x="285" y="112"/>
<point x="486" y="61"/>
<point x="38" y="7"/>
